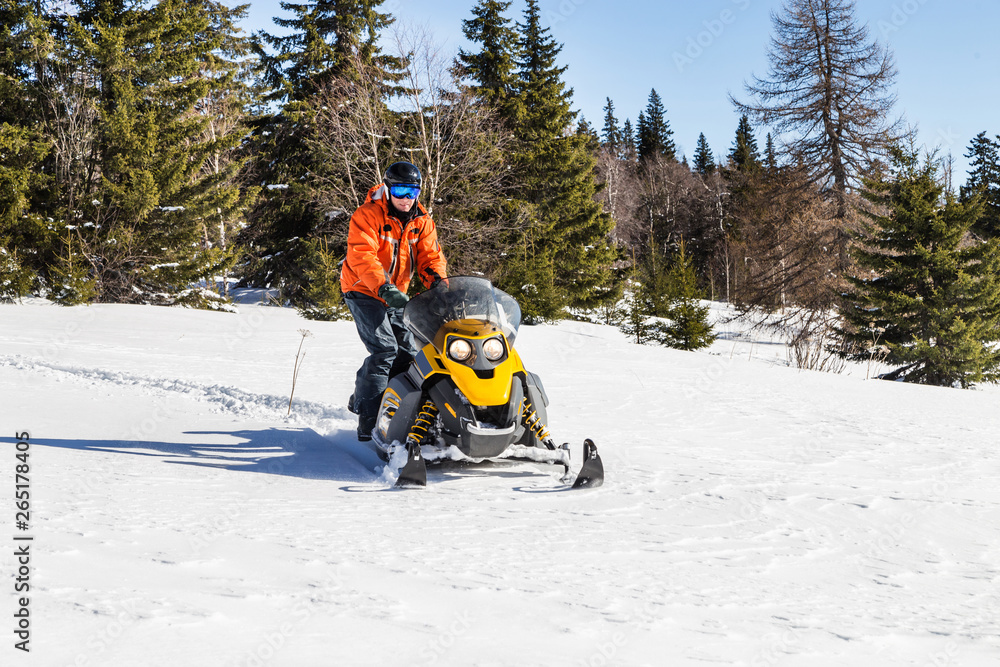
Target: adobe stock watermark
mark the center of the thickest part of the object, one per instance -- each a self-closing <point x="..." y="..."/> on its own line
<point x="438" y="646"/>
<point x="606" y="651"/>
<point x="274" y="640"/>
<point x="705" y="39"/>
<point x="776" y="648"/>
<point x="122" y="616"/>
<point x="900" y="16"/>
<point x="562" y="13"/>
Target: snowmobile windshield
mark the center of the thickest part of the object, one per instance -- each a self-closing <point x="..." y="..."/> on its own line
<point x="462" y="298"/>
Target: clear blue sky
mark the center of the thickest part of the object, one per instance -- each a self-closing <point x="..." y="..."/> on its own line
<point x="694" y="53"/>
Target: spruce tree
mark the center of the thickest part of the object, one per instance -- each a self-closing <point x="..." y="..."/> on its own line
<point x="704" y="162"/>
<point x="137" y="197"/>
<point x="22" y="47"/>
<point x="636" y="322"/>
<point x="984" y="182"/>
<point x="653" y="134"/>
<point x="770" y="157"/>
<point x="653" y="272"/>
<point x="21" y="155"/>
<point x="587" y="131"/>
<point x="629" y="150"/>
<point x="323" y="299"/>
<point x="540" y="87"/>
<point x="667" y="288"/>
<point x="493" y="69"/>
<point x="25" y="236"/>
<point x="923" y="289"/>
<point x="688" y="327"/>
<point x="571" y="233"/>
<point x="744" y="155"/>
<point x="611" y="134"/>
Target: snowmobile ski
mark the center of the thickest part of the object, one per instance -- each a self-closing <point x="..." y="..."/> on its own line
<point x="591" y="474"/>
<point x="414" y="471"/>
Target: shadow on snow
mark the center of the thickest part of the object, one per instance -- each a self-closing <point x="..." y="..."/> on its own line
<point x="275" y="451"/>
<point x="302" y="453"/>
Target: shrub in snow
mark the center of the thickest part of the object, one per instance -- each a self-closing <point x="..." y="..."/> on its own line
<point x="16" y="279"/>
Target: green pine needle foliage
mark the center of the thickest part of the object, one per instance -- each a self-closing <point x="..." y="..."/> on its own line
<point x="635" y="321"/>
<point x="668" y="290"/>
<point x="16" y="280"/>
<point x="688" y="327"/>
<point x="926" y="289"/>
<point x="73" y="280"/>
<point x="323" y="299"/>
<point x="530" y="277"/>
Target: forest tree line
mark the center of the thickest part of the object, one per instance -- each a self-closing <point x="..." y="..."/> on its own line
<point x="148" y="149"/>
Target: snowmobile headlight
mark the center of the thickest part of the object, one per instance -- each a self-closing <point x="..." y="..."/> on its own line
<point x="493" y="349"/>
<point x="460" y="349"/>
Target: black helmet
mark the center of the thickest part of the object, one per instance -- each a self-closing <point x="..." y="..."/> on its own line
<point x="402" y="173"/>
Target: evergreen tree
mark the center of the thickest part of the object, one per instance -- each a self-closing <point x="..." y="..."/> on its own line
<point x="24" y="235"/>
<point x="587" y="131"/>
<point x="321" y="42"/>
<point x="653" y="133"/>
<point x="494" y="67"/>
<point x="984" y="182"/>
<point x="629" y="150"/>
<point x="611" y="134"/>
<point x="704" y="162"/>
<point x="566" y="253"/>
<point x="770" y="157"/>
<point x="744" y="155"/>
<point x="21" y="154"/>
<point x="688" y="327"/>
<point x="22" y="46"/>
<point x="323" y="299"/>
<point x="540" y="87"/>
<point x="136" y="195"/>
<point x="667" y="289"/>
<point x="653" y="272"/>
<point x="636" y="322"/>
<point x="923" y="290"/>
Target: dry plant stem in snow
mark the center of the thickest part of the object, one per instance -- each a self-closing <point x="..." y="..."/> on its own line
<point x="298" y="364"/>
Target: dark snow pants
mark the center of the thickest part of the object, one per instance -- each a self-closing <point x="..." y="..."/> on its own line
<point x="390" y="347"/>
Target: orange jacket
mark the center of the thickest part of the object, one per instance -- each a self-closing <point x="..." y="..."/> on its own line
<point x="380" y="250"/>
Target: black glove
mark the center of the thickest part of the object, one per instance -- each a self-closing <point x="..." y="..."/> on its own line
<point x="392" y="296"/>
<point x="438" y="280"/>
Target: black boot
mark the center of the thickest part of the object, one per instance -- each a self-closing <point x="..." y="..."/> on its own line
<point x="365" y="427"/>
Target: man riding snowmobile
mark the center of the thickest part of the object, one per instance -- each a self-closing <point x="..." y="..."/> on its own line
<point x="390" y="239"/>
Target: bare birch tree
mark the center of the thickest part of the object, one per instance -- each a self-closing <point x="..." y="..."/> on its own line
<point x="455" y="140"/>
<point x="354" y="141"/>
<point x="461" y="147"/>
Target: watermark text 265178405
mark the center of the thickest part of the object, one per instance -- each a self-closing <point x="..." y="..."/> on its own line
<point x="22" y="541"/>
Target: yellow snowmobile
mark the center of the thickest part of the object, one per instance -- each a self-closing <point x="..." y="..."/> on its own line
<point x="467" y="396"/>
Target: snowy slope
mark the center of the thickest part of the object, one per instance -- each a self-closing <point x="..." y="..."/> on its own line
<point x="753" y="514"/>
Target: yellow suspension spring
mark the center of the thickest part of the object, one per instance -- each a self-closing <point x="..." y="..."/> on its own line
<point x="422" y="424"/>
<point x="533" y="421"/>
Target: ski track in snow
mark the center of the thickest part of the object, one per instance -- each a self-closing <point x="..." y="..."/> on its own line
<point x="230" y="400"/>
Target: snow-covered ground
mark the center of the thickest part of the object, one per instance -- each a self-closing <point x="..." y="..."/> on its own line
<point x="753" y="514"/>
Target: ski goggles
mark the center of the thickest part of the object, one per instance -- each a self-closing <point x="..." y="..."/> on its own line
<point x="404" y="191"/>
